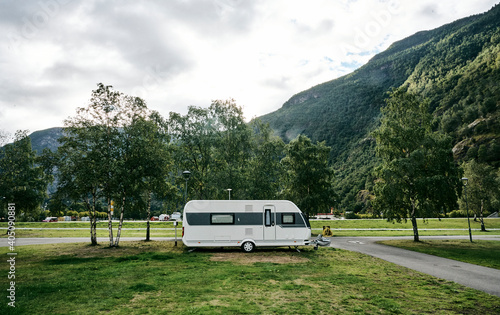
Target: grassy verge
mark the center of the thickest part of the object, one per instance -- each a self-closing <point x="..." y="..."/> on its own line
<point x="157" y="278"/>
<point x="422" y="224"/>
<point x="484" y="253"/>
<point x="427" y="227"/>
<point x="82" y="229"/>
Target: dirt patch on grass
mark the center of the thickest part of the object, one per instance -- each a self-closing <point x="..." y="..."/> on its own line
<point x="248" y="259"/>
<point x="103" y="250"/>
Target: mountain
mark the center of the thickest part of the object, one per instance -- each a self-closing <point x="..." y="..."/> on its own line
<point x="47" y="138"/>
<point x="456" y="66"/>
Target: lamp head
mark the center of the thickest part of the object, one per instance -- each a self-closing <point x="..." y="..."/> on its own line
<point x="186" y="174"/>
<point x="465" y="180"/>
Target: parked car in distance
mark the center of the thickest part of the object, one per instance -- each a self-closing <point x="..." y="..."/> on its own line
<point x="50" y="219"/>
<point x="155" y="218"/>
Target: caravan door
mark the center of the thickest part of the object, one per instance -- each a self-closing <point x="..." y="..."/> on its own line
<point x="269" y="223"/>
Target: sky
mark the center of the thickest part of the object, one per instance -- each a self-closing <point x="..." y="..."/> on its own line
<point x="178" y="53"/>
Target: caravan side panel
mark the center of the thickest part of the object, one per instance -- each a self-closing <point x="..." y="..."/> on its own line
<point x="230" y="223"/>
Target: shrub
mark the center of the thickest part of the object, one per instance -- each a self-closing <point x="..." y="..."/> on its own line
<point x="457" y="214"/>
<point x="351" y="215"/>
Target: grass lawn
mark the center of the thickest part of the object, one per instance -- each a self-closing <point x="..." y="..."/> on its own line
<point x="82" y="229"/>
<point x="428" y="227"/>
<point x="484" y="253"/>
<point x="157" y="278"/>
<point x="364" y="227"/>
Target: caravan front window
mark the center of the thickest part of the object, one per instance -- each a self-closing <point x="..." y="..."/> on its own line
<point x="223" y="218"/>
<point x="288" y="218"/>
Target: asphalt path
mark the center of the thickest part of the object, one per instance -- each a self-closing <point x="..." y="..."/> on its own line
<point x="473" y="276"/>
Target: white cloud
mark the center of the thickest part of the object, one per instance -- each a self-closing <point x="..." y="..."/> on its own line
<point x="189" y="52"/>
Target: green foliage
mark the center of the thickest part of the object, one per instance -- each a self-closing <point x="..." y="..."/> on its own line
<point x="145" y="163"/>
<point x="309" y="178"/>
<point x="265" y="170"/>
<point x="223" y="152"/>
<point x="457" y="214"/>
<point x="22" y="180"/>
<point x="483" y="189"/>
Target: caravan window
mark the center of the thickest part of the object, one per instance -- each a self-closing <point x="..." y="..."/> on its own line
<point x="223" y="218"/>
<point x="288" y="218"/>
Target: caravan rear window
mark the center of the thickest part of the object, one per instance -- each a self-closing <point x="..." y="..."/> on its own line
<point x="223" y="218"/>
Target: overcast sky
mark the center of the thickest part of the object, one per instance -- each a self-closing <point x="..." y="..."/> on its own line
<point x="178" y="53"/>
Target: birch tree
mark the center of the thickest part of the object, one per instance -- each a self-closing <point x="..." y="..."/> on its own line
<point x="92" y="154"/>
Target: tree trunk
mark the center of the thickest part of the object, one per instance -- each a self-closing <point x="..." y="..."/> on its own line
<point x="414" y="224"/>
<point x="110" y="224"/>
<point x="481" y="218"/>
<point x="122" y="210"/>
<point x="149" y="216"/>
<point x="91" y="209"/>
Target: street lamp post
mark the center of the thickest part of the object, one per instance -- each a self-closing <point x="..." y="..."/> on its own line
<point x="229" y="190"/>
<point x="186" y="175"/>
<point x="465" y="180"/>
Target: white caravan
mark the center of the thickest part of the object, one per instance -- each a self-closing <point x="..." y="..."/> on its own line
<point x="244" y="223"/>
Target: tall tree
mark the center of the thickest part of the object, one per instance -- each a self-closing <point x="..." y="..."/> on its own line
<point x="417" y="176"/>
<point x="483" y="188"/>
<point x="213" y="144"/>
<point x="309" y="178"/>
<point x="22" y="180"/>
<point x="193" y="136"/>
<point x="265" y="170"/>
<point x="147" y="162"/>
<point x="79" y="170"/>
<point x="232" y="149"/>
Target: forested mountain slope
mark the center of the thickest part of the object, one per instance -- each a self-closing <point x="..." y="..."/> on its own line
<point x="456" y="66"/>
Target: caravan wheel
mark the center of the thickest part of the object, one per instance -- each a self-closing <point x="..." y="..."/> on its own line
<point x="247" y="247"/>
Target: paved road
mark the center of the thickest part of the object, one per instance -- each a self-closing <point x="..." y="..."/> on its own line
<point x="473" y="276"/>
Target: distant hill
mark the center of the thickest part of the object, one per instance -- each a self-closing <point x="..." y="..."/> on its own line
<point x="47" y="138"/>
<point x="456" y="66"/>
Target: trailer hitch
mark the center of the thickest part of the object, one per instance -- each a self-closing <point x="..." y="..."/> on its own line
<point x="320" y="241"/>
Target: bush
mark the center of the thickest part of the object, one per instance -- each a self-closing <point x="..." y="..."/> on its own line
<point x="102" y="215"/>
<point x="72" y="213"/>
<point x="83" y="214"/>
<point x="457" y="214"/>
<point x="351" y="215"/>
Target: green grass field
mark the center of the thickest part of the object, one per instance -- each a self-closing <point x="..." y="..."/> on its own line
<point x="484" y="253"/>
<point x="157" y="278"/>
<point x="82" y="229"/>
<point x="362" y="227"/>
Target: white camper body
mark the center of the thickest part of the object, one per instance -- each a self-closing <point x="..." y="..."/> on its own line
<point x="244" y="223"/>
